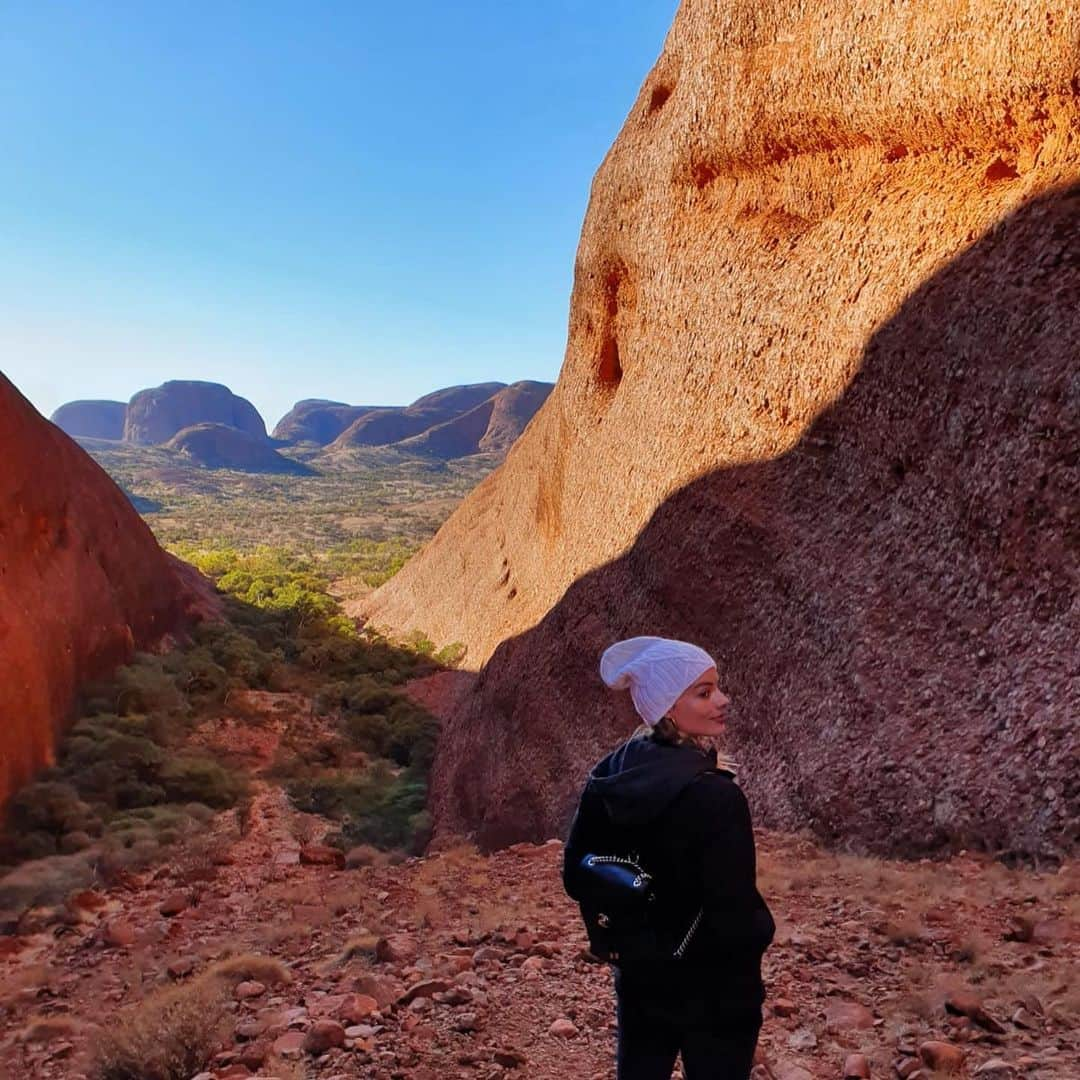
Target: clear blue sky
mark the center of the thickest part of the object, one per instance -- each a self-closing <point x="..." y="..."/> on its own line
<point x="334" y="198"/>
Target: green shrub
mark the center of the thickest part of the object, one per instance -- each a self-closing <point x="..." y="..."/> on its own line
<point x="193" y="778"/>
<point x="145" y="686"/>
<point x="370" y="732"/>
<point x="41" y="814"/>
<point x="451" y="655"/>
<point x="373" y="807"/>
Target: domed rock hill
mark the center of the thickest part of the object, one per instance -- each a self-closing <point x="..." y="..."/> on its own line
<point x="513" y="408"/>
<point x="818" y="412"/>
<point x="316" y="421"/>
<point x="381" y="427"/>
<point x="91" y="419"/>
<point x="218" y="446"/>
<point x="491" y="427"/>
<point x="82" y="583"/>
<point x="155" y="416"/>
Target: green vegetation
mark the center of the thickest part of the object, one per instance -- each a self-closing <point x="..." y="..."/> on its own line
<point x="130" y="780"/>
<point x="123" y="777"/>
<point x="351" y="504"/>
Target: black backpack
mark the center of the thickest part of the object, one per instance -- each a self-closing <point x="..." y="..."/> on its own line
<point x="618" y="897"/>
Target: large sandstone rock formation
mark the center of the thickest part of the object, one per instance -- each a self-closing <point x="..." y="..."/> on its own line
<point x="155" y="416"/>
<point x="82" y="583"/>
<point x="91" y="419"/>
<point x="818" y="412"/>
<point x="382" y="427"/>
<point x="218" y="446"/>
<point x="317" y="421"/>
<point x="489" y="428"/>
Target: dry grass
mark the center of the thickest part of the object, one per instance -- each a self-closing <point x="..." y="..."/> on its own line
<point x="47" y="1028"/>
<point x="250" y="967"/>
<point x="358" y="945"/>
<point x="174" y="1032"/>
<point x="170" y="1035"/>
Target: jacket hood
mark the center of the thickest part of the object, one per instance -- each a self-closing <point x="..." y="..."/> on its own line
<point x="640" y="779"/>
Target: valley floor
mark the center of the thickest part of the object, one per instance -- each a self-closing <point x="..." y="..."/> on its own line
<point x="467" y="965"/>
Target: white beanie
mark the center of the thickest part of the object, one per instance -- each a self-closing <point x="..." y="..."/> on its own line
<point x="656" y="670"/>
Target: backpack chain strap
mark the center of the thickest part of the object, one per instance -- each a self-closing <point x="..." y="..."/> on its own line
<point x="643" y="876"/>
<point x="689" y="934"/>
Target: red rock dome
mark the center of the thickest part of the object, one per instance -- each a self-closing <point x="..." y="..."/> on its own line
<point x="82" y="583"/>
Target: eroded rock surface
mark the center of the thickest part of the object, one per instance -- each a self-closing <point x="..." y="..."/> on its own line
<point x="818" y="412"/>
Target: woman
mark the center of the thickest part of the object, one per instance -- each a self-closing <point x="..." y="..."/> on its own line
<point x="663" y="796"/>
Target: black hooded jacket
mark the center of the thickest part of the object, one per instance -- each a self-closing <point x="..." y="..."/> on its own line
<point x="690" y="823"/>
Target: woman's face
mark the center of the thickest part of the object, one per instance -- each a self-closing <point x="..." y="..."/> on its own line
<point x="700" y="709"/>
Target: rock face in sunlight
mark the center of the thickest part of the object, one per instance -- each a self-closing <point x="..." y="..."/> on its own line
<point x="218" y="446"/>
<point x="154" y="416"/>
<point x="82" y="583"/>
<point x="91" y="419"/>
<point x="818" y="412"/>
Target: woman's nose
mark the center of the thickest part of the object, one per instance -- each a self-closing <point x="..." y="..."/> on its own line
<point x="721" y="698"/>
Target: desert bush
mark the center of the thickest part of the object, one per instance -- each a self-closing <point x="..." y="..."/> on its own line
<point x="193" y="778"/>
<point x="451" y="655"/>
<point x="48" y="807"/>
<point x="145" y="686"/>
<point x="170" y="1035"/>
<point x="375" y="806"/>
<point x="197" y="674"/>
<point x="44" y="881"/>
<point x="413" y="734"/>
<point x="370" y="732"/>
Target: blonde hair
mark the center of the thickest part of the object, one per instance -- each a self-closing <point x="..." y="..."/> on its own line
<point x="664" y="731"/>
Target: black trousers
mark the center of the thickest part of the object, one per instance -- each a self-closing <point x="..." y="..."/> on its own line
<point x="652" y="1034"/>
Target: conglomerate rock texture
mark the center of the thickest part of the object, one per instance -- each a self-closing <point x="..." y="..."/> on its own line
<point x="156" y="415"/>
<point x="818" y="412"/>
<point x="91" y="419"/>
<point x="82" y="583"/>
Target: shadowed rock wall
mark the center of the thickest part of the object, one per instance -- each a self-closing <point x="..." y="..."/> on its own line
<point x="818" y="405"/>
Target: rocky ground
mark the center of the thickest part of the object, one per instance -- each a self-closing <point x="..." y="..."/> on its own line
<point x="465" y="965"/>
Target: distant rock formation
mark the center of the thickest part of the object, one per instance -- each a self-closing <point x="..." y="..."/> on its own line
<point x="316" y="421"/>
<point x="381" y="427"/>
<point x="155" y="416"/>
<point x="818" y="412"/>
<point x="490" y="427"/>
<point x="91" y="419"/>
<point x="512" y="410"/>
<point x="82" y="583"/>
<point x="217" y="446"/>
